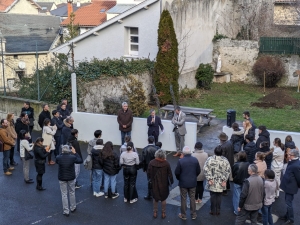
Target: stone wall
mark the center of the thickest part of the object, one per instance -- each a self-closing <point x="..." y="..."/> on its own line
<point x="14" y="105"/>
<point x="95" y="92"/>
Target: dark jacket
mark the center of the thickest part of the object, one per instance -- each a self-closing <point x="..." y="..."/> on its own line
<point x="159" y="172"/>
<point x="268" y="158"/>
<point x="40" y="156"/>
<point x="66" y="168"/>
<point x="290" y="182"/>
<point x="237" y="140"/>
<point x="68" y="107"/>
<point x="187" y="171"/>
<point x="240" y="172"/>
<point x="148" y="155"/>
<point x="263" y="136"/>
<point x="65" y="132"/>
<point x="96" y="157"/>
<point x="73" y="141"/>
<point x="290" y="145"/>
<point x="250" y="149"/>
<point x="153" y="128"/>
<point x="59" y="124"/>
<point x="125" y="118"/>
<point x="228" y="152"/>
<point x="110" y="164"/>
<point x="21" y="126"/>
<point x="29" y="112"/>
<point x="63" y="113"/>
<point x="43" y="115"/>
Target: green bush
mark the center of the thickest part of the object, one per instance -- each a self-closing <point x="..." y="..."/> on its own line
<point x="204" y="76"/>
<point x="189" y="93"/>
<point x="218" y="37"/>
<point x="166" y="68"/>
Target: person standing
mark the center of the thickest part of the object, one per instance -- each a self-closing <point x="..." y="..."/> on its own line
<point x="25" y="146"/>
<point x="63" y="111"/>
<point x="239" y="174"/>
<point x="251" y="197"/>
<point x="97" y="168"/>
<point x="154" y="123"/>
<point x="264" y="139"/>
<point x="7" y="142"/>
<point x="248" y="130"/>
<point x="246" y="116"/>
<point x="30" y="112"/>
<point x="123" y="148"/>
<point x="74" y="143"/>
<point x="125" y="119"/>
<point x="110" y="161"/>
<point x="22" y="123"/>
<point x="66" y="177"/>
<point x="216" y="170"/>
<point x="250" y="148"/>
<point x="44" y="115"/>
<point x="56" y="121"/>
<point x="40" y="154"/>
<point x="68" y="106"/>
<point x="179" y="130"/>
<point x="129" y="160"/>
<point x="260" y="163"/>
<point x="201" y="156"/>
<point x="92" y="143"/>
<point x="148" y="154"/>
<point x="187" y="171"/>
<point x="160" y="174"/>
<point x="12" y="133"/>
<point x="66" y="130"/>
<point x="290" y="184"/>
<point x="237" y="139"/>
<point x="48" y="136"/>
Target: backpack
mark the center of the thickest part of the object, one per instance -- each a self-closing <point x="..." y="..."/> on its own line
<point x="88" y="163"/>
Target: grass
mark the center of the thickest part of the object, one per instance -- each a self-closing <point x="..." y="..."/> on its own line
<point x="239" y="96"/>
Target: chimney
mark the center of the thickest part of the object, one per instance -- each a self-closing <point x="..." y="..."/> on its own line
<point x="70" y="7"/>
<point x="78" y="4"/>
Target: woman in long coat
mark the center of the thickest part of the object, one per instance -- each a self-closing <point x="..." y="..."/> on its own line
<point x="160" y="175"/>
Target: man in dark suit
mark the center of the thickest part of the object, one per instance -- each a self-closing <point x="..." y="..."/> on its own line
<point x="154" y="123"/>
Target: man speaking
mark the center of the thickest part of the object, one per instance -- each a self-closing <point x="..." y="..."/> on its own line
<point x="154" y="123"/>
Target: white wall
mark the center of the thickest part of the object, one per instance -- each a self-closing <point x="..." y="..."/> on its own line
<point x="273" y="134"/>
<point x="112" y="40"/>
<point x="87" y="123"/>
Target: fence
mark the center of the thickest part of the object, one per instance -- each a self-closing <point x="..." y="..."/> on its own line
<point x="275" y="45"/>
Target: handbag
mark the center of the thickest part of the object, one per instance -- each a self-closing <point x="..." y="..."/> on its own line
<point x="28" y="155"/>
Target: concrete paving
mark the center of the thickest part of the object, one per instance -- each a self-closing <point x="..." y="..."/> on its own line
<point x="22" y="204"/>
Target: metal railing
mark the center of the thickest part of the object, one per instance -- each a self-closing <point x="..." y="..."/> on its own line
<point x="276" y="45"/>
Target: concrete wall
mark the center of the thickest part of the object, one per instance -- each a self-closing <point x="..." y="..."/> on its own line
<point x="286" y="14"/>
<point x="24" y="7"/>
<point x="273" y="134"/>
<point x="95" y="92"/>
<point x="113" y="41"/>
<point x="14" y="105"/>
<point x="87" y="123"/>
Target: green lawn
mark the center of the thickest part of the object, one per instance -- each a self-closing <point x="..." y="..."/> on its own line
<point x="239" y="96"/>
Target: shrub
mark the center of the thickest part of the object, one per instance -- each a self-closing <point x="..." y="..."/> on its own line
<point x="166" y="68"/>
<point x="204" y="76"/>
<point x="272" y="66"/>
<point x="189" y="93"/>
<point x="113" y="105"/>
<point x="136" y="96"/>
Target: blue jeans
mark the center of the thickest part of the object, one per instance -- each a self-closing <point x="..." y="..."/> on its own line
<point x="267" y="214"/>
<point x="123" y="134"/>
<point x="110" y="181"/>
<point x="6" y="155"/>
<point x="289" y="204"/>
<point x="97" y="179"/>
<point x="237" y="189"/>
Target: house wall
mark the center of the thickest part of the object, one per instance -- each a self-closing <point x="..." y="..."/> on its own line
<point x="113" y="41"/>
<point x="24" y="7"/>
<point x="110" y="15"/>
<point x="286" y="14"/>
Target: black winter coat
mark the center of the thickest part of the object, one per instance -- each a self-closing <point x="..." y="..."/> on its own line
<point x="40" y="156"/>
<point x="268" y="158"/>
<point x="240" y="172"/>
<point x="21" y="126"/>
<point x="237" y="140"/>
<point x="29" y="112"/>
<point x="110" y="164"/>
<point x="148" y="155"/>
<point x="73" y="141"/>
<point x="65" y="134"/>
<point x="96" y="159"/>
<point x="66" y="168"/>
<point x="250" y="149"/>
<point x="290" y="145"/>
<point x="64" y="113"/>
<point x="228" y="152"/>
<point x="68" y="107"/>
<point x="43" y="115"/>
<point x="59" y="124"/>
<point x="290" y="182"/>
<point x="263" y="136"/>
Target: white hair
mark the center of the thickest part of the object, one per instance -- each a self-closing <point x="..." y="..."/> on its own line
<point x="124" y="103"/>
<point x="65" y="149"/>
<point x="295" y="153"/>
<point x="186" y="150"/>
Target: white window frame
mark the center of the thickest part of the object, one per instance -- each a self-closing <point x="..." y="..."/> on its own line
<point x="131" y="52"/>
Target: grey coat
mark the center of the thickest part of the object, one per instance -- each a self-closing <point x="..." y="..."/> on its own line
<point x="202" y="157"/>
<point x="179" y="120"/>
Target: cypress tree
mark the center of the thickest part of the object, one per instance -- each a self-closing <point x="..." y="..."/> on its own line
<point x="166" y="68"/>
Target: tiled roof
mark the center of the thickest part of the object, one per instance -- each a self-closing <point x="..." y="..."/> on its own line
<point x="62" y="9"/>
<point x="23" y="31"/>
<point x="5" y="4"/>
<point x="120" y="8"/>
<point x="44" y="5"/>
<point x="91" y="15"/>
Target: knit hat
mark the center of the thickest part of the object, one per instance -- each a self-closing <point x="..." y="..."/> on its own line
<point x="223" y="136"/>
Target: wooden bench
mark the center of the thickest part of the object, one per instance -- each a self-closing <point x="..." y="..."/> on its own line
<point x="198" y="113"/>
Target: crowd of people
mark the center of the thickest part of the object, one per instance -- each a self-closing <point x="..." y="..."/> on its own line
<point x="255" y="169"/>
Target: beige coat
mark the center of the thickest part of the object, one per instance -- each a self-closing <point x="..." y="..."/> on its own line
<point x="202" y="157"/>
<point x="48" y="136"/>
<point x="261" y="167"/>
<point x="11" y="130"/>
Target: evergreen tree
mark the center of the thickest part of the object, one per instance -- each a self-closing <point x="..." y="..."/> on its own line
<point x="166" y="68"/>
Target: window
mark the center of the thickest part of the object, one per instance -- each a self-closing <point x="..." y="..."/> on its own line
<point x="20" y="73"/>
<point x="15" y="56"/>
<point x="10" y="83"/>
<point x="133" y="41"/>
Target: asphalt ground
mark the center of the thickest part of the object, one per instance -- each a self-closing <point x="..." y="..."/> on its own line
<point x="22" y="204"/>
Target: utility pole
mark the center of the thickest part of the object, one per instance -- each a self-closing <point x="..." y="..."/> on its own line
<point x="37" y="70"/>
<point x="3" y="72"/>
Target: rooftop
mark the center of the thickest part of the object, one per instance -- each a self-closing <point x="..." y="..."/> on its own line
<point x="62" y="9"/>
<point x="5" y="5"/>
<point x="120" y="8"/>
